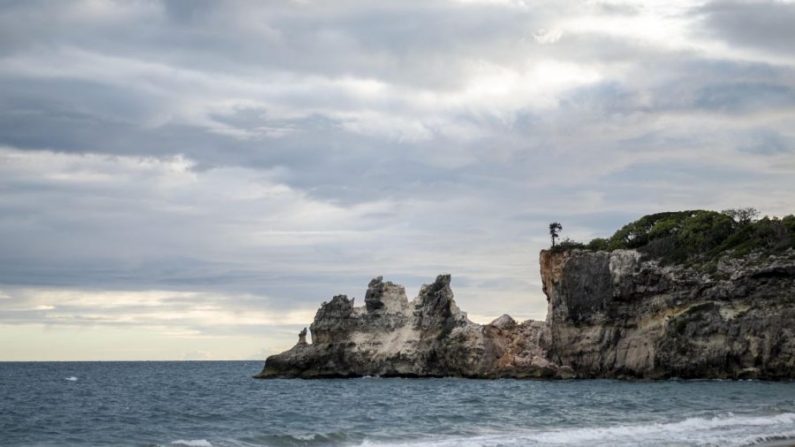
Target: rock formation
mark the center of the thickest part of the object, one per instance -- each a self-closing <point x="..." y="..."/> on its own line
<point x="614" y="314"/>
<point x="611" y="314"/>
<point x="427" y="337"/>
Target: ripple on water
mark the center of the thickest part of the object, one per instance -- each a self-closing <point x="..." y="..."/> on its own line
<point x="218" y="404"/>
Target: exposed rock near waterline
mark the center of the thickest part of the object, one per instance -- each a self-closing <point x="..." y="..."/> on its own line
<point x="614" y="314"/>
<point x="610" y="314"/>
<point x="427" y="337"/>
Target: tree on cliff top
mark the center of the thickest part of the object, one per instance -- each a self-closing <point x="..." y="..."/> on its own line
<point x="694" y="236"/>
<point x="554" y="231"/>
<point x="742" y="216"/>
<point x="701" y="235"/>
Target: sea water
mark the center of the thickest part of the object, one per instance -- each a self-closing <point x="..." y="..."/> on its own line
<point x="204" y="404"/>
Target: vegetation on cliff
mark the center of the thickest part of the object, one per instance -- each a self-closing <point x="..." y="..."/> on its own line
<point x="698" y="236"/>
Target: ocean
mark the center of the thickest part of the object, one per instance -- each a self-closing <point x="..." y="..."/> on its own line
<point x="203" y="404"/>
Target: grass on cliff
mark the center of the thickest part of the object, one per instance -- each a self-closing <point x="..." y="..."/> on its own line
<point x="697" y="236"/>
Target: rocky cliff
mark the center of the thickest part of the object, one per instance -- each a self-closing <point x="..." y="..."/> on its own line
<point x="426" y="337"/>
<point x="616" y="314"/>
<point x="611" y="314"/>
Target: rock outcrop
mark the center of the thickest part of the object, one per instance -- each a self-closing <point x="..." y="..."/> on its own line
<point x="614" y="314"/>
<point x="610" y="314"/>
<point x="427" y="337"/>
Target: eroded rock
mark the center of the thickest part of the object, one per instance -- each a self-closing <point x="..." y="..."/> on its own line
<point x="615" y="315"/>
<point x="610" y="314"/>
<point x="427" y="337"/>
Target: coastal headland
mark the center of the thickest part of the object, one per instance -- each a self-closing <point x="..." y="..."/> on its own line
<point x="690" y="294"/>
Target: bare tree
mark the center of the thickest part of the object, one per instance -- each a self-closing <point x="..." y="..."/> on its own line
<point x="554" y="231"/>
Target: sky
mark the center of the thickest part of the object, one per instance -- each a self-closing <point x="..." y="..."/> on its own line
<point x="191" y="179"/>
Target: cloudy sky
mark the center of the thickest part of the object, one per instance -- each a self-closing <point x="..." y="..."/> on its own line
<point x="190" y="179"/>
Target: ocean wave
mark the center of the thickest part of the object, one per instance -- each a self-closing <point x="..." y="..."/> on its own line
<point x="192" y="443"/>
<point x="726" y="430"/>
<point x="303" y="439"/>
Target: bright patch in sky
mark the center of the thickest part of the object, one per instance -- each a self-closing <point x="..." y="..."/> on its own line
<point x="192" y="179"/>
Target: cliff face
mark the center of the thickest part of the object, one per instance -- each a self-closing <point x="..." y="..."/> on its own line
<point x="427" y="337"/>
<point x="612" y="314"/>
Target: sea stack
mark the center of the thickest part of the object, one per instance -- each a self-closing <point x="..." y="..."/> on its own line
<point x="427" y="337"/>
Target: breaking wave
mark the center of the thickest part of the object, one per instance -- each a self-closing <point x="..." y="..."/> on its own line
<point x="728" y="430"/>
<point x="192" y="443"/>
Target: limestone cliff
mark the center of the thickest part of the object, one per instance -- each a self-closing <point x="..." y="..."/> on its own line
<point x="610" y="314"/>
<point x="427" y="337"/>
<point x="615" y="314"/>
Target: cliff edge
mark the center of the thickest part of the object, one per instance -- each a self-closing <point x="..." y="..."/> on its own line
<point x="616" y="314"/>
<point x="688" y="294"/>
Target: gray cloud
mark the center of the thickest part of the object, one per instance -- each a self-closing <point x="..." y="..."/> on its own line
<point x="764" y="26"/>
<point x="260" y="157"/>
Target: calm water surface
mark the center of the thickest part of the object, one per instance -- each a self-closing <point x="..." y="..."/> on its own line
<point x="205" y="404"/>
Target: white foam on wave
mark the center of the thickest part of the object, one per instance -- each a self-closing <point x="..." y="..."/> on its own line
<point x="726" y="430"/>
<point x="192" y="443"/>
<point x="71" y="379"/>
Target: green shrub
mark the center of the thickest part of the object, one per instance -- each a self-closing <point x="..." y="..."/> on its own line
<point x="699" y="236"/>
<point x="597" y="244"/>
<point x="567" y="244"/>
